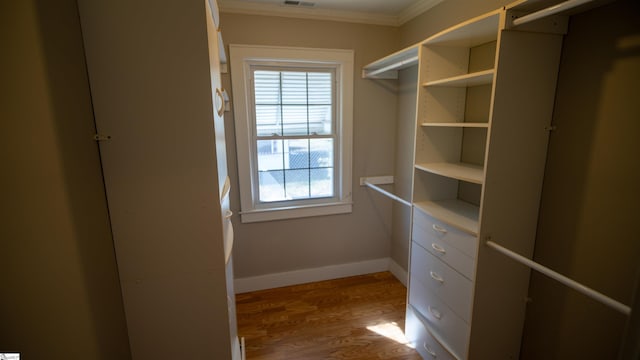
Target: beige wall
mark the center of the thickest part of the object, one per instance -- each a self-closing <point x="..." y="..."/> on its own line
<point x="60" y="296"/>
<point x="280" y="246"/>
<point x="590" y="207"/>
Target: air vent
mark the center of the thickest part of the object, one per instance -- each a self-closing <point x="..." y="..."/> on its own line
<point x="299" y="3"/>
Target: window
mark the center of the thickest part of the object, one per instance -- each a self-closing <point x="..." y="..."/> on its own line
<point x="293" y="115"/>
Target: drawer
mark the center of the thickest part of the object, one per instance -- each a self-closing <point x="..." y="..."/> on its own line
<point x="422" y="340"/>
<point x="447" y="284"/>
<point x="445" y="251"/>
<point x="434" y="229"/>
<point x="452" y="331"/>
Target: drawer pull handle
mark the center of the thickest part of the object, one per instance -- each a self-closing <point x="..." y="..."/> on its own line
<point x="431" y="352"/>
<point x="439" y="229"/>
<point x="436" y="277"/>
<point x="438" y="248"/>
<point x="437" y="314"/>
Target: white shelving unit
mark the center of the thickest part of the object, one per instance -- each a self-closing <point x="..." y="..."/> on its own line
<point x="484" y="103"/>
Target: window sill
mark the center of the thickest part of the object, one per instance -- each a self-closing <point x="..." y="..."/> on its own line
<point x="295" y="212"/>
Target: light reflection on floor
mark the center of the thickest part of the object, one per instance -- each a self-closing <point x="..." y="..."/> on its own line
<point x="392" y="331"/>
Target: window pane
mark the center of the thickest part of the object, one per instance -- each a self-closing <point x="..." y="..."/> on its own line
<point x="270" y="155"/>
<point x="320" y="88"/>
<point x="295" y="169"/>
<point x="298" y="154"/>
<point x="297" y="184"/>
<point x="321" y="182"/>
<point x="294" y="120"/>
<point x="271" y="186"/>
<point x="294" y="88"/>
<point x="268" y="120"/>
<point x="320" y="121"/>
<point x="267" y="87"/>
<point x="293" y="102"/>
<point x="321" y="154"/>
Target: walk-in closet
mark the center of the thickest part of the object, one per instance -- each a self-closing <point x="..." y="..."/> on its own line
<point x="321" y="179"/>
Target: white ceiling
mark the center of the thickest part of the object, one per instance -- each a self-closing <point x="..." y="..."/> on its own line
<point x="381" y="12"/>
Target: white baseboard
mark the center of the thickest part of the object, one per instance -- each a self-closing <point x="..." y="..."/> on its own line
<point x="398" y="272"/>
<point x="270" y="281"/>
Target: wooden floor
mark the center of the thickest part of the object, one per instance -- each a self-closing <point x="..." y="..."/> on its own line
<point x="335" y="319"/>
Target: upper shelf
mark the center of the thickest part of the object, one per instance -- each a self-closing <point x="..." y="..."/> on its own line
<point x="473" y="32"/>
<point x="477" y="31"/>
<point x="387" y="67"/>
<point x="474" y="79"/>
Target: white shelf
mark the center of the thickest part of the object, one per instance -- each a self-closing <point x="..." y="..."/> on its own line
<point x="474" y="79"/>
<point x="386" y="68"/>
<point x="477" y="31"/>
<point x="456" y="125"/>
<point x="460" y="171"/>
<point x="460" y="214"/>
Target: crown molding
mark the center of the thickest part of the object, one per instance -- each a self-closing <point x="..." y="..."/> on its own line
<point x="268" y="9"/>
<point x="416" y="9"/>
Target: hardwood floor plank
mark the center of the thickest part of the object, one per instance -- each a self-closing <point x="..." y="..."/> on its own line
<point x="335" y="319"/>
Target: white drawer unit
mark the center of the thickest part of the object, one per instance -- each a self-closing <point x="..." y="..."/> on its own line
<point x="423" y="340"/>
<point x="441" y="280"/>
<point x="433" y="229"/>
<point x="451" y="328"/>
<point x="438" y="245"/>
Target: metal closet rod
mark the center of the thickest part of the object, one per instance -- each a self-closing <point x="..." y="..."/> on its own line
<point x="388" y="194"/>
<point x="562" y="279"/>
<point x="549" y="11"/>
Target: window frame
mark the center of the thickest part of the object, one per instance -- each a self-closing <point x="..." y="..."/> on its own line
<point x="334" y="135"/>
<point x="243" y="59"/>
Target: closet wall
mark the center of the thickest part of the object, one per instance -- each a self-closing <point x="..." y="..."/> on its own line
<point x="287" y="245"/>
<point x="60" y="294"/>
<point x="589" y="209"/>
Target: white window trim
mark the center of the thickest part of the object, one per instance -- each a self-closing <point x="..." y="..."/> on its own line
<point x="241" y="57"/>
